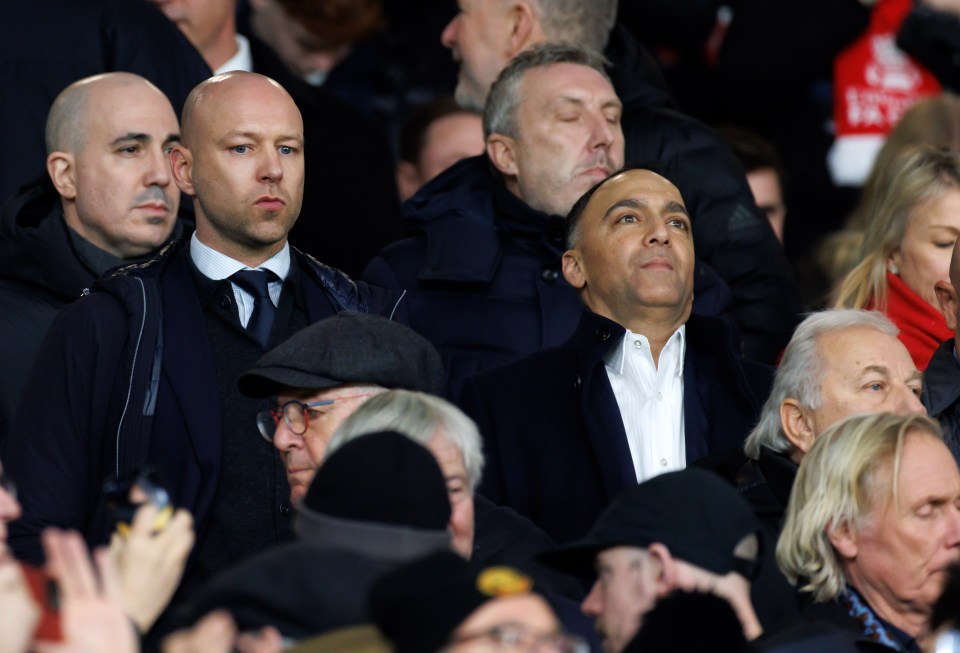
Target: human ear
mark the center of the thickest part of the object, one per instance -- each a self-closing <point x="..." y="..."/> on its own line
<point x="664" y="569"/>
<point x="573" y="269"/>
<point x="524" y="28"/>
<point x="62" y="170"/>
<point x="947" y="298"/>
<point x="796" y="426"/>
<point x="502" y="152"/>
<point x="181" y="166"/>
<point x="408" y="180"/>
<point x="843" y="538"/>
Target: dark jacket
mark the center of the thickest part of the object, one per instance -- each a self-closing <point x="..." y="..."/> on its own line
<point x="350" y="205"/>
<point x="43" y="267"/>
<point x="941" y="394"/>
<point x="766" y="485"/>
<point x="483" y="273"/>
<point x="555" y="446"/>
<point x="134" y="352"/>
<point x="730" y="232"/>
<point x="825" y="627"/>
<point x="45" y="45"/>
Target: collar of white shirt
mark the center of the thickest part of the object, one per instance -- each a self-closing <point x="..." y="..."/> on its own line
<point x="242" y="60"/>
<point x="215" y="265"/>
<point x="676" y="346"/>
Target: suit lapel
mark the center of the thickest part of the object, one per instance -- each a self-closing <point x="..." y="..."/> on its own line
<point x="598" y="406"/>
<point x="187" y="361"/>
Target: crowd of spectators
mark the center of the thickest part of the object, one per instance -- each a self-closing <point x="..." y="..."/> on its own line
<point x="496" y="325"/>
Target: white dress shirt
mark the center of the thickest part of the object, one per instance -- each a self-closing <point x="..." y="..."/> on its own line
<point x="242" y="60"/>
<point x="650" y="398"/>
<point x="214" y="265"/>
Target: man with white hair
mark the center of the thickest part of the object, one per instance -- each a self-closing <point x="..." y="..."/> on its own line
<point x="839" y="362"/>
<point x="872" y="527"/>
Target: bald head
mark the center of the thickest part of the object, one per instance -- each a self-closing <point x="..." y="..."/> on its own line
<point x="67" y="123"/>
<point x="241" y="159"/>
<point x="208" y="99"/>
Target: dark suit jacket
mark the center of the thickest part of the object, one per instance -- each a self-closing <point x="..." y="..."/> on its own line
<point x="556" y="450"/>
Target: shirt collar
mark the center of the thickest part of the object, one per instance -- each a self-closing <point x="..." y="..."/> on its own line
<point x="216" y="265"/>
<point x="242" y="60"/>
<point x="614" y="358"/>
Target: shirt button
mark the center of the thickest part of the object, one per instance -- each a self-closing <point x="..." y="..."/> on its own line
<point x="638" y="344"/>
<point x="285" y="509"/>
<point x="663" y="462"/>
<point x="659" y="396"/>
<point x="550" y="275"/>
<point x="225" y="301"/>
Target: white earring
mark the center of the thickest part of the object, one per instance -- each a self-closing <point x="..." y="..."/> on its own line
<point x="893" y="268"/>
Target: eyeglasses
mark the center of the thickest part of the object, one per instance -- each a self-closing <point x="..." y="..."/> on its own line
<point x="295" y="414"/>
<point x="516" y="637"/>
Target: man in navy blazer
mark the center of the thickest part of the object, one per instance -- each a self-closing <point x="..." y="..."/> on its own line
<point x="641" y="388"/>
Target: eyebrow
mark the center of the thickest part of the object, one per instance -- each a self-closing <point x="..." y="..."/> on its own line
<point x="257" y="136"/>
<point x="669" y="207"/>
<point x="131" y="136"/>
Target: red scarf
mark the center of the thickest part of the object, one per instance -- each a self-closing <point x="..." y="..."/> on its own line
<point x="922" y="327"/>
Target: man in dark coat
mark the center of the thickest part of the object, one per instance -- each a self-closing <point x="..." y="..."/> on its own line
<point x="733" y="236"/>
<point x="146" y="365"/>
<point x="941" y="379"/>
<point x="348" y="156"/>
<point x="641" y="388"/>
<point x="106" y="197"/>
<point x="483" y="271"/>
<point x="45" y="45"/>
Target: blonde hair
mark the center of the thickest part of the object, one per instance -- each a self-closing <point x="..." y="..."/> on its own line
<point x="838" y="484"/>
<point x="915" y="176"/>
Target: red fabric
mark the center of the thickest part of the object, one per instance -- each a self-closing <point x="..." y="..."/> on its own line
<point x="922" y="327"/>
<point x="874" y="81"/>
<point x="48" y="630"/>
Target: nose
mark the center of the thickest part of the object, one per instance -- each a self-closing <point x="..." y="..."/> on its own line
<point x="658" y="233"/>
<point x="284" y="439"/>
<point x="448" y="37"/>
<point x="603" y="133"/>
<point x="953" y="528"/>
<point x="908" y="403"/>
<point x="592" y="605"/>
<point x="158" y="168"/>
<point x="270" y="169"/>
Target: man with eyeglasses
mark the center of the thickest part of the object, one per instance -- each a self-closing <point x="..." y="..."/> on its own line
<point x="323" y="373"/>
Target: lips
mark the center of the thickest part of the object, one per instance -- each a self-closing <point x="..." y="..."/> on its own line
<point x="154" y="208"/>
<point x="270" y="203"/>
<point x="657" y="264"/>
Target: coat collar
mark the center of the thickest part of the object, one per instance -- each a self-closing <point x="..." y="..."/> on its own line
<point x="941" y="380"/>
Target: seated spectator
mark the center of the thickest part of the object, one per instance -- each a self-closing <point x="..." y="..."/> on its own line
<point x="376" y="503"/>
<point x="913" y="220"/>
<point x="683" y="530"/>
<point x="434" y="137"/>
<point x="439" y="603"/>
<point x="641" y="388"/>
<point x="483" y="273"/>
<point x="107" y="198"/>
<point x="733" y="237"/>
<point x="347" y="156"/>
<point x="327" y="374"/>
<point x="764" y="173"/>
<point x="941" y="381"/>
<point x="840" y="362"/>
<point x="872" y="526"/>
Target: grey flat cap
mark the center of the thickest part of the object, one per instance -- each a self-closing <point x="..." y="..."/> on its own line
<point x="349" y="347"/>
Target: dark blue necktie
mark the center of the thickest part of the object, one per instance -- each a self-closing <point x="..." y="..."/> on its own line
<point x="256" y="283"/>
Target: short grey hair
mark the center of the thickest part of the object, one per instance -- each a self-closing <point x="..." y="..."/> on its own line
<point x="801" y="370"/>
<point x="500" y="110"/>
<point x="839" y="483"/>
<point x="418" y="416"/>
<point x="586" y="23"/>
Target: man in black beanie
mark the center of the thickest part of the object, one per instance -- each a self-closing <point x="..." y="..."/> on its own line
<point x="376" y="502"/>
<point x="437" y="602"/>
<point x="323" y="373"/>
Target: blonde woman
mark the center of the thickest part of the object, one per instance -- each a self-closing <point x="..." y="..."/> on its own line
<point x="912" y="223"/>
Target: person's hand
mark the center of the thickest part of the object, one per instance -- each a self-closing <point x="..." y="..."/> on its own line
<point x="91" y="615"/>
<point x="265" y="640"/>
<point x="151" y="564"/>
<point x="948" y="6"/>
<point x="19" y="613"/>
<point x="215" y="633"/>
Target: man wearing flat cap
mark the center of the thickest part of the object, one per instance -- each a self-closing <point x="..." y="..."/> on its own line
<point x="323" y="373"/>
<point x="685" y="530"/>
